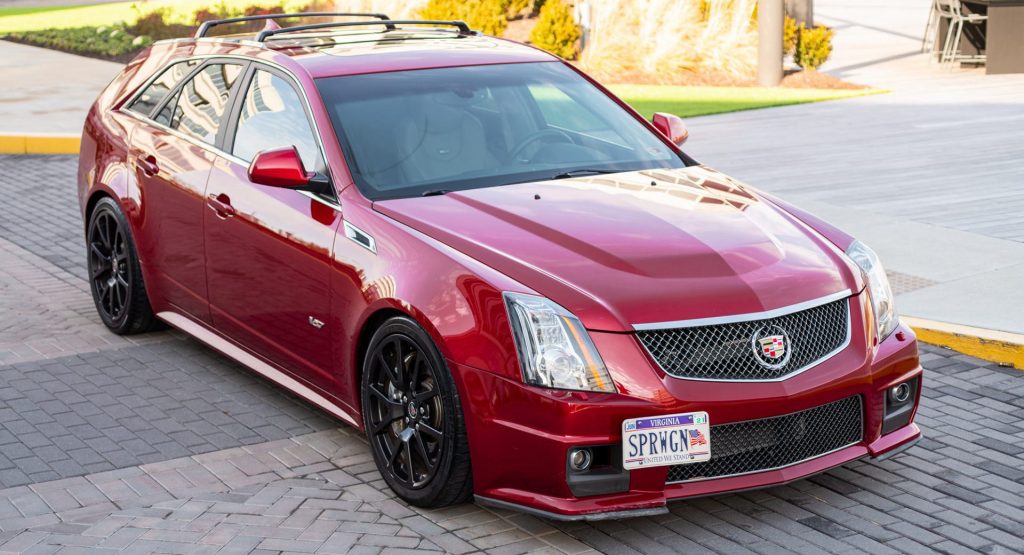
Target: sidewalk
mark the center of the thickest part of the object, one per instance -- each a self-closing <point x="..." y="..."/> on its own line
<point x="931" y="175"/>
<point x="48" y="92"/>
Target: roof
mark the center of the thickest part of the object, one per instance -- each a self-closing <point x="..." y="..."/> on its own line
<point x="334" y="53"/>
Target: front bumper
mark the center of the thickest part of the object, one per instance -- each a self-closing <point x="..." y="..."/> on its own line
<point x="520" y="435"/>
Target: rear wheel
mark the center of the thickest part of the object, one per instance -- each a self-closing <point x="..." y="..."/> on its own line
<point x="114" y="273"/>
<point x="413" y="417"/>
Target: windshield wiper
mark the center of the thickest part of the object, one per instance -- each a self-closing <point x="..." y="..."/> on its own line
<point x="435" y="192"/>
<point x="581" y="173"/>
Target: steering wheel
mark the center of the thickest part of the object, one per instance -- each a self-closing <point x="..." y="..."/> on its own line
<point x="549" y="134"/>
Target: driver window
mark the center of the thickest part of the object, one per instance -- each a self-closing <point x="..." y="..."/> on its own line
<point x="272" y="116"/>
<point x="560" y="110"/>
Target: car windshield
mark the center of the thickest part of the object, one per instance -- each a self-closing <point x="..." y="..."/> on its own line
<point x="410" y="133"/>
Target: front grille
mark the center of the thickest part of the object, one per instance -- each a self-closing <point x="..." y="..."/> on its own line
<point x="728" y="351"/>
<point x="777" y="442"/>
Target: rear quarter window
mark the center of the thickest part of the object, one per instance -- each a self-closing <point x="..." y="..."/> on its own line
<point x="154" y="94"/>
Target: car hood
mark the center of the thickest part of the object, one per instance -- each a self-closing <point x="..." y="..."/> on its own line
<point x="638" y="247"/>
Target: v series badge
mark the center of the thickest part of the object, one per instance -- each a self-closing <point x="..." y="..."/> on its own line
<point x="315" y="322"/>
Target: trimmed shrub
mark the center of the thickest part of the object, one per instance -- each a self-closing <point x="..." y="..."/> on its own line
<point x="790" y="30"/>
<point x="556" y="31"/>
<point x="813" y="46"/>
<point x="256" y="9"/>
<point x="110" y="43"/>
<point x="518" y="8"/>
<point x="155" y="25"/>
<point x="216" y="11"/>
<point x="487" y="16"/>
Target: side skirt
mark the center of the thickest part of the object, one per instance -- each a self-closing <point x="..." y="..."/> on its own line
<point x="239" y="354"/>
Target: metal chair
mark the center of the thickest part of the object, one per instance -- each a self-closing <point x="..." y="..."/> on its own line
<point x="928" y="42"/>
<point x="951" y="48"/>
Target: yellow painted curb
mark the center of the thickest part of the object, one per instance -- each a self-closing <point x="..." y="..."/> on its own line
<point x="39" y="144"/>
<point x="1001" y="347"/>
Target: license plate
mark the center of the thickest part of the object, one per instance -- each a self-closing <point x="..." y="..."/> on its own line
<point x="665" y="440"/>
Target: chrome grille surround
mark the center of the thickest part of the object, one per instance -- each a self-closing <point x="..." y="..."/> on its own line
<point x="777" y="442"/>
<point x="720" y="349"/>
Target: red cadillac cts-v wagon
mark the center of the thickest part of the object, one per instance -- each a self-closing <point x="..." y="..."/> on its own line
<point x="514" y="284"/>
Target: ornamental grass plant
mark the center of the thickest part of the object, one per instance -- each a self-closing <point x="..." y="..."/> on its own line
<point x="665" y="37"/>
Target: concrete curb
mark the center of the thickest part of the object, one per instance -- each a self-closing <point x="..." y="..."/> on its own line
<point x="33" y="143"/>
<point x="1004" y="348"/>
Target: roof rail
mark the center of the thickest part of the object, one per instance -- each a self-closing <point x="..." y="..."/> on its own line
<point x="207" y="25"/>
<point x="463" y="27"/>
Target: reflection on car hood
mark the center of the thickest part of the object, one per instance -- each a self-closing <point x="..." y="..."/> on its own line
<point x="637" y="247"/>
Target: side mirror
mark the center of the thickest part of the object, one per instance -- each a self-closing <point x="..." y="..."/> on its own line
<point x="279" y="167"/>
<point x="671" y="126"/>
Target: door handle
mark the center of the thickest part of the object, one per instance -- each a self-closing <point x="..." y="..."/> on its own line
<point x="221" y="204"/>
<point x="148" y="165"/>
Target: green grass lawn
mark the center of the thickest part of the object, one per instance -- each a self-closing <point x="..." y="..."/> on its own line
<point x="63" y="17"/>
<point x="702" y="101"/>
<point x="11" y="10"/>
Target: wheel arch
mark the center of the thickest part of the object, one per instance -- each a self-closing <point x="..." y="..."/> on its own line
<point x="94" y="198"/>
<point x="112" y="180"/>
<point x="371" y="324"/>
<point x="376" y="316"/>
<point x="456" y="299"/>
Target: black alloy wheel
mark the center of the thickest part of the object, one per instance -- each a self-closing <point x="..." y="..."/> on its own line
<point x="412" y="417"/>
<point x="114" y="273"/>
<point x="108" y="265"/>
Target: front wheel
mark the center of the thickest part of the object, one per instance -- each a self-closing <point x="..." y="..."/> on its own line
<point x="413" y="417"/>
<point x="115" y="276"/>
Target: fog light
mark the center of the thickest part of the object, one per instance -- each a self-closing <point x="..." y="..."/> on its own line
<point x="580" y="459"/>
<point x="899" y="404"/>
<point x="900" y="393"/>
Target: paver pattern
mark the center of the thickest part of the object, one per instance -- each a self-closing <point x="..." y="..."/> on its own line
<point x="40" y="211"/>
<point x="48" y="312"/>
<point x="958" y="491"/>
<point x="155" y="444"/>
<point x="111" y="409"/>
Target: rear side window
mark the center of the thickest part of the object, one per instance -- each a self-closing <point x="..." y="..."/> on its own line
<point x="200" y="104"/>
<point x="272" y="116"/>
<point x="154" y="94"/>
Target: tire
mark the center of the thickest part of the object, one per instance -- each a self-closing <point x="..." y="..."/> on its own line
<point x="405" y="407"/>
<point x="115" y="276"/>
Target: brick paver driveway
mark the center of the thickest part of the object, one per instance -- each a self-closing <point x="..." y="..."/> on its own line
<point x="156" y="444"/>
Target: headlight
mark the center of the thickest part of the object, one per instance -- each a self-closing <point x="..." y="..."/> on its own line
<point x="879" y="291"/>
<point x="554" y="349"/>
